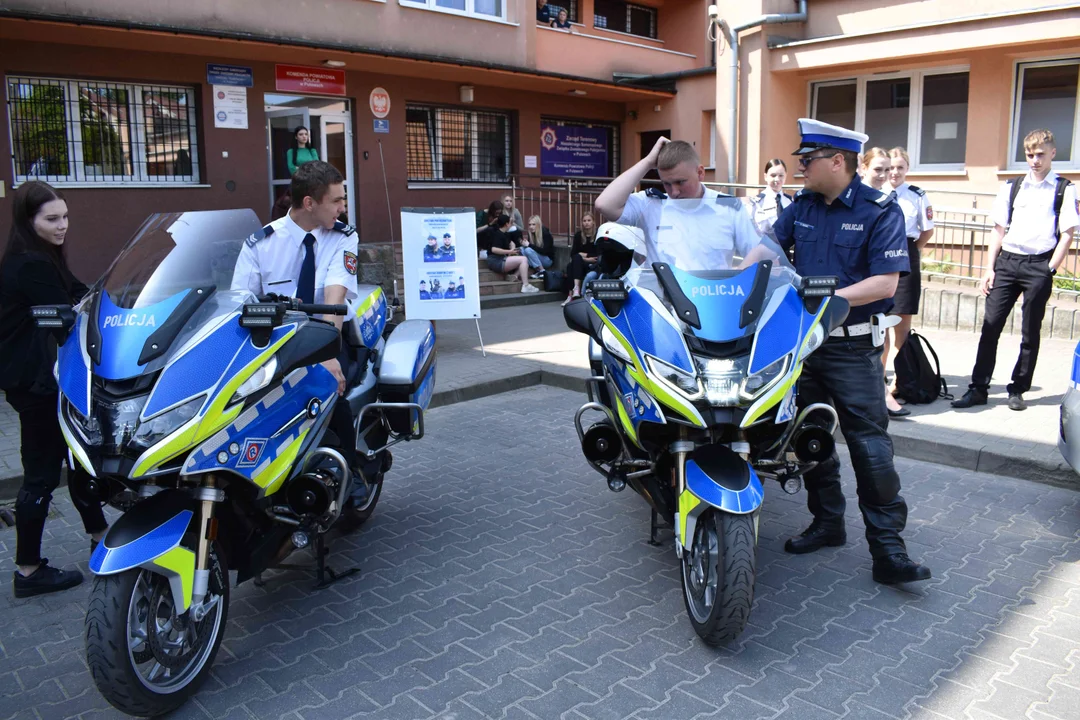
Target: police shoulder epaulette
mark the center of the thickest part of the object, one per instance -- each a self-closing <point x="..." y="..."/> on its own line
<point x="760" y="195"/>
<point x="345" y="228"/>
<point x="655" y="192"/>
<point x="729" y="201"/>
<point x="265" y="232"/>
<point x="882" y="199"/>
<point x="803" y="192"/>
<point x="917" y="190"/>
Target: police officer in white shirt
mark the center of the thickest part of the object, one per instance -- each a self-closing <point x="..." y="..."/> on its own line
<point x="919" y="228"/>
<point x="699" y="243"/>
<point x="307" y="254"/>
<point x="770" y="202"/>
<point x="1031" y="239"/>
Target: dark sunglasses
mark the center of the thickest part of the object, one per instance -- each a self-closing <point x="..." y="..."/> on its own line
<point x="804" y="162"/>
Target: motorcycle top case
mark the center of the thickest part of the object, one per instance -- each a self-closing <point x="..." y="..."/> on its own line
<point x="406" y="372"/>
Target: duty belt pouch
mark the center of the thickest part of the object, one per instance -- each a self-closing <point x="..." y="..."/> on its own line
<point x="877" y="329"/>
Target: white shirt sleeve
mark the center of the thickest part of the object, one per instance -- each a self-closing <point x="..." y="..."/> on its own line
<point x="340" y="261"/>
<point x="246" y="274"/>
<point x="926" y="214"/>
<point x="999" y="214"/>
<point x="633" y="211"/>
<point x="1070" y="217"/>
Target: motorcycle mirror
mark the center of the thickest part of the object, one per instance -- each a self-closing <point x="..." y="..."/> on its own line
<point x="57" y="318"/>
<point x="579" y="318"/>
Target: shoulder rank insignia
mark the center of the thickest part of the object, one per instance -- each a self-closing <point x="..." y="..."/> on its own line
<point x="344" y="228"/>
<point x="917" y="190"/>
<point x="882" y="199"/>
<point x="265" y="232"/>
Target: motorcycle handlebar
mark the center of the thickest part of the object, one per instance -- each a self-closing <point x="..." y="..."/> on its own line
<point x="313" y="309"/>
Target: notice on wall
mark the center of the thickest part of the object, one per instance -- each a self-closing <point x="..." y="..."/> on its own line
<point x="574" y="151"/>
<point x="303" y="79"/>
<point x="237" y="75"/>
<point x="945" y="130"/>
<point x="440" y="263"/>
<point x="230" y="107"/>
<point x="530" y="161"/>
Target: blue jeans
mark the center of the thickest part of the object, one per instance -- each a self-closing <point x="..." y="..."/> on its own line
<point x="589" y="277"/>
<point x="536" y="260"/>
<point x="847" y="373"/>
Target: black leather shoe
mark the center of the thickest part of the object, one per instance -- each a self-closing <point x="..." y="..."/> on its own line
<point x="1016" y="402"/>
<point x="814" y="538"/>
<point x="899" y="568"/>
<point x="973" y="397"/>
<point x="45" y="579"/>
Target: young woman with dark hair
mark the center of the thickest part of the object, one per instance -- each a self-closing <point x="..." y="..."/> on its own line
<point x="300" y="151"/>
<point x="34" y="271"/>
<point x="771" y="201"/>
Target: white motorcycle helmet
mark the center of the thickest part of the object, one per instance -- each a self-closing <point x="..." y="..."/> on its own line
<point x="616" y="245"/>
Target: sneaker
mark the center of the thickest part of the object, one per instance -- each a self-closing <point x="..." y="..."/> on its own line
<point x="527" y="288"/>
<point x="538" y="275"/>
<point x="45" y="579"/>
<point x="1016" y="402"/>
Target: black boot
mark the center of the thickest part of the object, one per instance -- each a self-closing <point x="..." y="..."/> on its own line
<point x="45" y="579"/>
<point x="974" y="396"/>
<point x="814" y="538"/>
<point x="899" y="568"/>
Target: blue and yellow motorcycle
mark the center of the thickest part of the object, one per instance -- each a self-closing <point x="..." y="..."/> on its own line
<point x="204" y="415"/>
<point x="695" y="372"/>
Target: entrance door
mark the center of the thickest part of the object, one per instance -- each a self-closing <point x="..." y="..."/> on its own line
<point x="280" y="125"/>
<point x="648" y="139"/>
<point x="336" y="149"/>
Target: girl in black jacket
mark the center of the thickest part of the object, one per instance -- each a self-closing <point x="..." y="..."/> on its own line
<point x="34" y="271"/>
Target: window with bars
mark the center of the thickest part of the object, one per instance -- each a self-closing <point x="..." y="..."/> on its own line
<point x="570" y="6"/>
<point x="453" y="145"/>
<point x="79" y="131"/>
<point x="625" y="17"/>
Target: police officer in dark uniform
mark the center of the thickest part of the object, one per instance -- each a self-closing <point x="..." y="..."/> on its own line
<point x="839" y="226"/>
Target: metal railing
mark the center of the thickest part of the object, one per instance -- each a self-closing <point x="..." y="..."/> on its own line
<point x="560" y="202"/>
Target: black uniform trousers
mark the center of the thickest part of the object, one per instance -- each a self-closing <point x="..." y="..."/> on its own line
<point x="43" y="452"/>
<point x="1014" y="274"/>
<point x="846" y="372"/>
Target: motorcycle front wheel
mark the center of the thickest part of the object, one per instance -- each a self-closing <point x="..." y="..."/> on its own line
<point x="718" y="576"/>
<point x="146" y="660"/>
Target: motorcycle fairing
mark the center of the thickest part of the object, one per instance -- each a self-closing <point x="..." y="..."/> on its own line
<point x="719" y="303"/>
<point x="151" y="539"/>
<point x="124" y="333"/>
<point x="262" y="444"/>
<point x="635" y="405"/>
<point x="369" y="315"/>
<point x="214" y="415"/>
<point x="1069" y="424"/>
<point x="73" y="367"/>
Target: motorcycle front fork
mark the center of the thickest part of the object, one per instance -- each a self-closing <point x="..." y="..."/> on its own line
<point x="207" y="494"/>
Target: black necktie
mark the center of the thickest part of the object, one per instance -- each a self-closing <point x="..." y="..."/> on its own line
<point x="779" y="205"/>
<point x="305" y="288"/>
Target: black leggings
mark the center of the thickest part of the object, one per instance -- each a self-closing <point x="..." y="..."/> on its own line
<point x="43" y="452"/>
<point x="579" y="268"/>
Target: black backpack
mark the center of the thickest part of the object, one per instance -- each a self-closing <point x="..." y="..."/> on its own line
<point x="917" y="381"/>
<point x="1059" y="199"/>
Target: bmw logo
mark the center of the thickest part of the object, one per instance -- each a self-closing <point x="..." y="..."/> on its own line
<point x="314" y="407"/>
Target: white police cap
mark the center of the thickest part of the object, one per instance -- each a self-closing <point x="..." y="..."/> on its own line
<point x="816" y="135"/>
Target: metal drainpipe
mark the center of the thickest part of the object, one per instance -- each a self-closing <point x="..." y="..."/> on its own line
<point x="733" y="42"/>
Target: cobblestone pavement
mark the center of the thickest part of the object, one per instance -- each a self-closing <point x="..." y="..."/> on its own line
<point x="502" y="579"/>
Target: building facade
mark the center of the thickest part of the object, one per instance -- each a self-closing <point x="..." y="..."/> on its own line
<point x="139" y="106"/>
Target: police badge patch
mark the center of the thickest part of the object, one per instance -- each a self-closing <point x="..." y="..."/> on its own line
<point x="350" y="262"/>
<point x="929" y="213"/>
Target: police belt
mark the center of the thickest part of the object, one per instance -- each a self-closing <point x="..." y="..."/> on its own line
<point x="856" y="330"/>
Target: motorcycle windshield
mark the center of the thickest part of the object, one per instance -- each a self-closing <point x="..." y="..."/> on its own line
<point x="173" y="277"/>
<point x="708" y="254"/>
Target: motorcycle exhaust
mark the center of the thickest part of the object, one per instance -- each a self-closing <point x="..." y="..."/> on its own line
<point x="311" y="493"/>
<point x="814" y="444"/>
<point x="601" y="443"/>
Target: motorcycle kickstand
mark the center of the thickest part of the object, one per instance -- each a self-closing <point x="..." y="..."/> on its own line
<point x="654" y="526"/>
<point x="322" y="570"/>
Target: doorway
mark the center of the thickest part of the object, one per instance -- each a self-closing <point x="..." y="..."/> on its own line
<point x="329" y="121"/>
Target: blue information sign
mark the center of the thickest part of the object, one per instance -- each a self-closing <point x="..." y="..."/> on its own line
<point x="235" y="75"/>
<point x="382" y="126"/>
<point x="574" y="151"/>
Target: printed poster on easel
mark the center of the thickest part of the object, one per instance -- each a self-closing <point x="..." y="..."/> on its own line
<point x="440" y="263"/>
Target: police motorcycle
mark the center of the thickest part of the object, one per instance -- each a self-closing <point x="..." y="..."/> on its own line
<point x="1069" y="426"/>
<point x="202" y="414"/>
<point x="695" y="379"/>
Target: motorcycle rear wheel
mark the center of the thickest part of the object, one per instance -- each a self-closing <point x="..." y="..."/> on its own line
<point x="718" y="573"/>
<point x="357" y="516"/>
<point x="135" y="642"/>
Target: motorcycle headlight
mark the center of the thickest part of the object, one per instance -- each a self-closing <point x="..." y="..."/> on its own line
<point x="612" y="345"/>
<point x="757" y="384"/>
<point x="260" y="379"/>
<point x="151" y="431"/>
<point x="87" y="428"/>
<point x="686" y="383"/>
<point x="813" y="341"/>
<point x="722" y="377"/>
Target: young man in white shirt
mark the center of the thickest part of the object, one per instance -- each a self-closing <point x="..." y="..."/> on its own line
<point x="1025" y="252"/>
<point x="704" y="245"/>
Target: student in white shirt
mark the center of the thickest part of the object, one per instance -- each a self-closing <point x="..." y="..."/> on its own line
<point x="919" y="227"/>
<point x="1026" y="250"/>
<point x="771" y="201"/>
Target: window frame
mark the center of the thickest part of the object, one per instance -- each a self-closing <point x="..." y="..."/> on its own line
<point x="1015" y="141"/>
<point x="436" y="126"/>
<point x="137" y="145"/>
<point x="915" y="109"/>
<point x="469" y="11"/>
<point x="625" y="28"/>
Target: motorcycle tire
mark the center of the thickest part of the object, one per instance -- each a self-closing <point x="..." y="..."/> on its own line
<point x="113" y="660"/>
<point x="718" y="573"/>
<point x="357" y="516"/>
